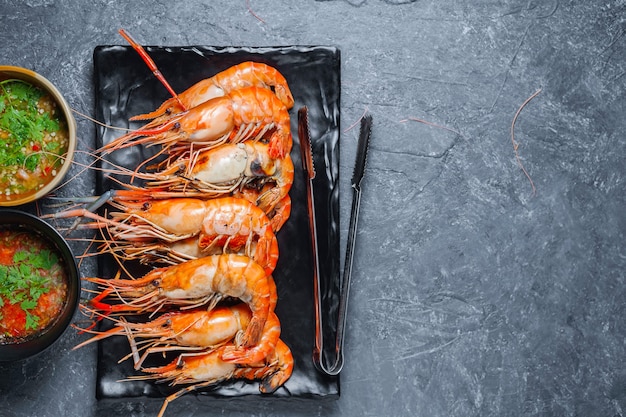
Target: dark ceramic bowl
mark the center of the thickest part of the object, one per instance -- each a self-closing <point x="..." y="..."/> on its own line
<point x="19" y="220"/>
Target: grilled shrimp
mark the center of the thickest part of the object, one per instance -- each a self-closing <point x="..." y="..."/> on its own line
<point x="181" y="330"/>
<point x="245" y="74"/>
<point x="193" y="331"/>
<point x="208" y="369"/>
<point x="226" y="222"/>
<point x="231" y="169"/>
<point x="191" y="284"/>
<point x="249" y="113"/>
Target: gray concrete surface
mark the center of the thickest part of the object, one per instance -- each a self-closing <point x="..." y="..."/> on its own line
<point x="473" y="293"/>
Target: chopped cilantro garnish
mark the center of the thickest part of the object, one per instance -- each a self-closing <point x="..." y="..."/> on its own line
<point x="32" y="137"/>
<point x="28" y="304"/>
<point x="23" y="283"/>
<point x="20" y="116"/>
<point x="31" y="321"/>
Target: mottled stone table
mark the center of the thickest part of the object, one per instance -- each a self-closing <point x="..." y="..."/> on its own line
<point x="489" y="270"/>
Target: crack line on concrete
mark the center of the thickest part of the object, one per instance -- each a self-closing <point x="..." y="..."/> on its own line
<point x="509" y="66"/>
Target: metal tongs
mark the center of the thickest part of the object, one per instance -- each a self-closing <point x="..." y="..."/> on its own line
<point x="357" y="176"/>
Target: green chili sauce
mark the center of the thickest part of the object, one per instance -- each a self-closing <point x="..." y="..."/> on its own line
<point x="33" y="285"/>
<point x="33" y="138"/>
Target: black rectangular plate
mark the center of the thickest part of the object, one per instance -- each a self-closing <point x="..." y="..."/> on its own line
<point x="125" y="87"/>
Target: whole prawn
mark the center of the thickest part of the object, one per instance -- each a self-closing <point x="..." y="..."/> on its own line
<point x="236" y="164"/>
<point x="226" y="222"/>
<point x="194" y="331"/>
<point x="245" y="74"/>
<point x="264" y="181"/>
<point x="248" y="113"/>
<point x="191" y="284"/>
<point x="235" y="169"/>
<point x="208" y="369"/>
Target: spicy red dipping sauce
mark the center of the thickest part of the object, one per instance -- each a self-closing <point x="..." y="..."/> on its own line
<point x="33" y="285"/>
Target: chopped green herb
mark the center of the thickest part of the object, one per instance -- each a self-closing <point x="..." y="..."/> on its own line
<point x="22" y="282"/>
<point x="31" y="321"/>
<point x="32" y="137"/>
<point x="33" y="284"/>
<point x="28" y="304"/>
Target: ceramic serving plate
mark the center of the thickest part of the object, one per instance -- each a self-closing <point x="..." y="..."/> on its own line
<point x="126" y="87"/>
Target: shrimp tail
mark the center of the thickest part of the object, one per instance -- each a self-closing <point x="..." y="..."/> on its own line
<point x="280" y="144"/>
<point x="283" y="364"/>
<point x="253" y="332"/>
<point x="269" y="199"/>
<point x="257" y="353"/>
<point x="267" y="252"/>
<point x="272" y="382"/>
<point x="280" y="213"/>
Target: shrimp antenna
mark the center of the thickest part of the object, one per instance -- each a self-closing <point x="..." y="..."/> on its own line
<point x="150" y="63"/>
